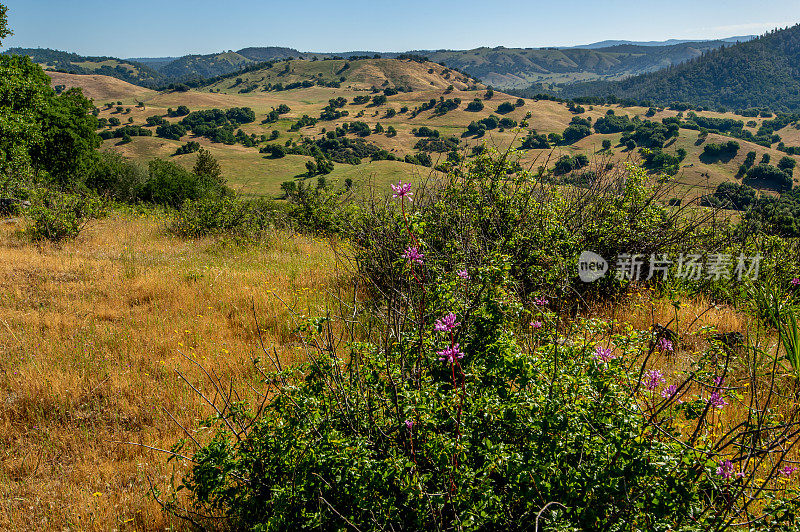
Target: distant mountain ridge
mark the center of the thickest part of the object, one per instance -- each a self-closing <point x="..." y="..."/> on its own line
<point x="763" y="72"/>
<point x="503" y="68"/>
<point x="668" y="42"/>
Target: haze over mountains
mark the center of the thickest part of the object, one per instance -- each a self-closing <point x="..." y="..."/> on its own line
<point x="668" y="42"/>
<point x="763" y="72"/>
<point x="736" y="72"/>
<point x="505" y="68"/>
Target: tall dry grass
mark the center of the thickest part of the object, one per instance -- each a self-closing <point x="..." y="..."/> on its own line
<point x="91" y="336"/>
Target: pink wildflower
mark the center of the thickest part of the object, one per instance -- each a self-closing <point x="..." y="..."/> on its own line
<point x="541" y="301"/>
<point x="652" y="378"/>
<point x="665" y="345"/>
<point x="464" y="274"/>
<point x="669" y="392"/>
<point x="725" y="469"/>
<point x="717" y="401"/>
<point x="413" y="255"/>
<point x="402" y="190"/>
<point x="795" y="281"/>
<point x="603" y="355"/>
<point x="536" y="325"/>
<point x="787" y="470"/>
<point x="409" y="424"/>
<point x="450" y="354"/>
<point x="446" y="324"/>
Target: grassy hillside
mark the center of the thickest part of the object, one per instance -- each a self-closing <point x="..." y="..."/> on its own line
<point x="361" y="73"/>
<point x="514" y="68"/>
<point x="252" y="172"/>
<point x="204" y="66"/>
<point x="93" y="334"/>
<point x="102" y="88"/>
<point x="132" y="72"/>
<point x="759" y="73"/>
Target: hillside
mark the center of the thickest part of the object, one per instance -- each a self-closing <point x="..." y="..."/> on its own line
<point x="507" y="68"/>
<point x="503" y="68"/>
<point x="760" y="73"/>
<point x="390" y="126"/>
<point x="361" y="73"/>
<point x="668" y="42"/>
<point x="203" y="66"/>
<point x="55" y="60"/>
<point x="99" y="88"/>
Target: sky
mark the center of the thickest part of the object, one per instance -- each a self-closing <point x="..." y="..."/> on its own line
<point x="158" y="28"/>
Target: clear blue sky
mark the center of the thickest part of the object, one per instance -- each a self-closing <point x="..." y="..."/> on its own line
<point x="126" y="28"/>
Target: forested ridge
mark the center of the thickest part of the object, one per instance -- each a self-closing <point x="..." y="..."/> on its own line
<point x="761" y="73"/>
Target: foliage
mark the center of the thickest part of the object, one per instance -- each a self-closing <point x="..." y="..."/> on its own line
<point x="757" y="73"/>
<point x="734" y="196"/>
<point x="171" y="185"/>
<point x="436" y="409"/>
<point x="216" y="214"/>
<point x="116" y="178"/>
<point x="766" y="175"/>
<point x="566" y="164"/>
<point x="575" y="132"/>
<point x="4" y="30"/>
<point x="728" y="149"/>
<point x="475" y="105"/>
<point x="649" y="134"/>
<point x="505" y="108"/>
<point x="614" y="124"/>
<point x="57" y="216"/>
<point x="44" y="137"/>
<point x="189" y="147"/>
<point x="207" y="168"/>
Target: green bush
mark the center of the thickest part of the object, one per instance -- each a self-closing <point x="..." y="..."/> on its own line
<point x="57" y="216"/>
<point x="116" y="178"/>
<point x="219" y="215"/>
<point x="171" y="185"/>
<point x="444" y="412"/>
<point x="770" y="176"/>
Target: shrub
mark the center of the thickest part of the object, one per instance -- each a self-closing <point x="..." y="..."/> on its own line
<point x="505" y="108"/>
<point x="475" y="105"/>
<point x="448" y="414"/>
<point x="189" y="147"/>
<point x="57" y="216"/>
<point x="575" y="132"/>
<point x="171" y="185"/>
<point x="734" y="196"/>
<point x="729" y="149"/>
<point x="535" y="141"/>
<point x="216" y="214"/>
<point x="170" y="131"/>
<point x="769" y="176"/>
<point x="787" y="164"/>
<point x="154" y="120"/>
<point x="116" y="177"/>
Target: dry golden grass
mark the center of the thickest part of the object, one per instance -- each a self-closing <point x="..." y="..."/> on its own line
<point x="92" y="334"/>
<point x="101" y="88"/>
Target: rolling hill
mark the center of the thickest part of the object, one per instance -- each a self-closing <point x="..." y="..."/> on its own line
<point x="503" y="68"/>
<point x="398" y="126"/>
<point x="764" y="72"/>
<point x="55" y="60"/>
<point x="514" y="68"/>
<point x="668" y="42"/>
<point x="360" y="73"/>
<point x="101" y="88"/>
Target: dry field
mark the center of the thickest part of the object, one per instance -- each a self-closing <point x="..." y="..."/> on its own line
<point x="96" y="334"/>
<point x="93" y="335"/>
